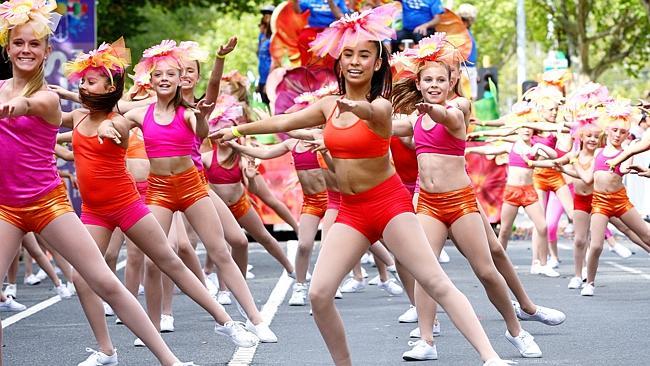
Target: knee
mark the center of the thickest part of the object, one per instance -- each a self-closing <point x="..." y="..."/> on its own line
<point x="221" y="256"/>
<point x="497" y="252"/>
<point x="304" y="248"/>
<point x="239" y="242"/>
<point x="436" y="286"/>
<point x="542" y="229"/>
<point x="320" y="297"/>
<point x="580" y="242"/>
<point x="488" y="275"/>
<point x="185" y="250"/>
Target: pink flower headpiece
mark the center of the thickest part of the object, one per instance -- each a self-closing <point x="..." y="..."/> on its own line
<point x="590" y="94"/>
<point x="311" y="97"/>
<point x="226" y="109"/>
<point x="351" y="29"/>
<point x="193" y="52"/>
<point x="433" y="48"/>
<point x="620" y="110"/>
<point x="165" y="51"/>
<point x="18" y="12"/>
<point x="111" y="59"/>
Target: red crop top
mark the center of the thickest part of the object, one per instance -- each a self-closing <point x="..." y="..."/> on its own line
<point x="217" y="174"/>
<point x="357" y="141"/>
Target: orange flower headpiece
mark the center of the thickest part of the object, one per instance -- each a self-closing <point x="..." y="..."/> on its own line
<point x="165" y="51"/>
<point x="352" y="29"/>
<point x="522" y="112"/>
<point x="18" y="12"/>
<point x="111" y="59"/>
<point x="433" y="48"/>
<point x="544" y="96"/>
<point x="556" y="78"/>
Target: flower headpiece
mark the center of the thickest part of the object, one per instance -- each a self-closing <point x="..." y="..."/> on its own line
<point x="522" y="112"/>
<point x="18" y="12"/>
<point x="165" y="51"/>
<point x="544" y="96"/>
<point x="112" y="59"/>
<point x="590" y="94"/>
<point x="618" y="111"/>
<point x="351" y="29"/>
<point x="235" y="77"/>
<point x="227" y="108"/>
<point x="433" y="48"/>
<point x="556" y="78"/>
<point x="193" y="52"/>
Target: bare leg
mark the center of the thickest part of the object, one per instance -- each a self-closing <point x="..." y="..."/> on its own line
<point x="508" y="214"/>
<point x="29" y="243"/>
<point x="306" y="235"/>
<point x="252" y="223"/>
<point x="328" y="221"/>
<point x="633" y="220"/>
<point x="232" y="233"/>
<point x="597" y="228"/>
<point x="536" y="214"/>
<point x="629" y="233"/>
<point x="261" y="190"/>
<point x="12" y="274"/>
<point x="113" y="250"/>
<point x="581" y="221"/>
<point x="134" y="270"/>
<point x="407" y="281"/>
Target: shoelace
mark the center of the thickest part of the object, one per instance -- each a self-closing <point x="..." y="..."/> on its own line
<point x="419" y="343"/>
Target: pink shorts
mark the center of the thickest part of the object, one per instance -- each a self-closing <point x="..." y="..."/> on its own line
<point x="124" y="217"/>
<point x="333" y="200"/>
<point x="142" y="189"/>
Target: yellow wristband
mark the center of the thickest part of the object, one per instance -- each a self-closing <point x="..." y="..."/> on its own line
<point x="235" y="132"/>
<point x="221" y="57"/>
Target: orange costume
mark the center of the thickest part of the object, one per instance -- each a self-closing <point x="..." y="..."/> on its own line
<point x="611" y="204"/>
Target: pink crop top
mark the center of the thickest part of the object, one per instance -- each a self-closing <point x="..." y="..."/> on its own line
<point x="26" y="151"/>
<point x="196" y="154"/>
<point x="549" y="141"/>
<point x="601" y="165"/>
<point x="436" y="140"/>
<point x="306" y="160"/>
<point x="219" y="175"/>
<point x="173" y="139"/>
<point x="515" y="159"/>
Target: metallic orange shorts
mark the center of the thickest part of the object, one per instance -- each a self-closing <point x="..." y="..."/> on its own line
<point x="204" y="180"/>
<point x="447" y="207"/>
<point x="520" y="196"/>
<point x="175" y="192"/>
<point x="314" y="204"/>
<point x="548" y="179"/>
<point x="36" y="216"/>
<point x="241" y="207"/>
<point x="611" y="204"/>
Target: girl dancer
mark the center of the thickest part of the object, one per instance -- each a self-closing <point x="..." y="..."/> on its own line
<point x="358" y="139"/>
<point x="174" y="182"/>
<point x="30" y="116"/>
<point x="609" y="195"/>
<point x="446" y="201"/>
<point x="101" y="170"/>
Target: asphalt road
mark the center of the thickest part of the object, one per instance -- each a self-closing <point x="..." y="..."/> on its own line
<point x="609" y="329"/>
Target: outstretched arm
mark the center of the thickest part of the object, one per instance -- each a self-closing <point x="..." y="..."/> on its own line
<point x="552" y="163"/>
<point x="403" y="127"/>
<point x="489" y="149"/>
<point x="212" y="91"/>
<point x="632" y="150"/>
<point x="265" y="153"/>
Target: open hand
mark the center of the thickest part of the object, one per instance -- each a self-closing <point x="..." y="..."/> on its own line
<point x="345" y="105"/>
<point x="6" y="110"/>
<point x="225" y="49"/>
<point x="108" y="132"/>
<point x="222" y="135"/>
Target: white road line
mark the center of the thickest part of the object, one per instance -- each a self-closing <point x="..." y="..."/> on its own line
<point x="629" y="270"/>
<point x="564" y="246"/>
<point x="244" y="356"/>
<point x="41" y="305"/>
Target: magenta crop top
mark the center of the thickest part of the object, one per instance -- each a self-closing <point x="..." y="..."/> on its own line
<point x="306" y="160"/>
<point x="173" y="139"/>
<point x="436" y="140"/>
<point x="196" y="154"/>
<point x="27" y="154"/>
<point x="219" y="175"/>
<point x="549" y="141"/>
<point x="515" y="159"/>
<point x="601" y="165"/>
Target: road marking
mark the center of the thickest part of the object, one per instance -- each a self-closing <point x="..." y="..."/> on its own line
<point x="564" y="246"/>
<point x="41" y="305"/>
<point x="629" y="270"/>
<point x="244" y="356"/>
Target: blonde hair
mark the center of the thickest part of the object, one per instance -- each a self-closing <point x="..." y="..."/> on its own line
<point x="37" y="81"/>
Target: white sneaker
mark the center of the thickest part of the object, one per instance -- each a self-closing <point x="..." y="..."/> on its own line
<point x="98" y="358"/>
<point x="140" y="290"/>
<point x="250" y="275"/>
<point x="223" y="297"/>
<point x="525" y="343"/>
<point x="374" y="281"/>
<point x="249" y="267"/>
<point x="498" y="362"/>
<point x="409" y="316"/>
<point x="71" y="288"/>
<point x="574" y="283"/>
<point x="11" y="290"/>
<point x="587" y="290"/>
<point x="11" y="305"/>
<point x="299" y="295"/>
<point x="548" y="271"/>
<point x="262" y="331"/>
<point x="365" y="259"/>
<point x="118" y="321"/>
<point x="138" y="343"/>
<point x="391" y="269"/>
<point x="535" y="268"/>
<point x="553" y="263"/>
<point x="212" y="289"/>
<point x="444" y="257"/>
<point x="543" y="315"/>
<point x="108" y="311"/>
<point x="237" y="334"/>
<point x="621" y="250"/>
<point x="166" y="323"/>
<point x="415" y="333"/>
<point x="421" y="351"/>
<point x="338" y="294"/>
<point x="41" y="275"/>
<point x="391" y="287"/>
<point x="31" y="280"/>
<point x="63" y="292"/>
<point x="352" y="286"/>
<point x="569" y="229"/>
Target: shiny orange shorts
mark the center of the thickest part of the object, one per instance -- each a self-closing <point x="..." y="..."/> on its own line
<point x="36" y="216"/>
<point x="582" y="203"/>
<point x="176" y="192"/>
<point x="204" y="180"/>
<point x="520" y="196"/>
<point x="548" y="179"/>
<point x="241" y="207"/>
<point x="447" y="207"/>
<point x="314" y="204"/>
<point x="611" y="204"/>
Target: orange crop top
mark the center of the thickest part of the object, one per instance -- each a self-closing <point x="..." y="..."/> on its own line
<point x="136" y="149"/>
<point x="357" y="141"/>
